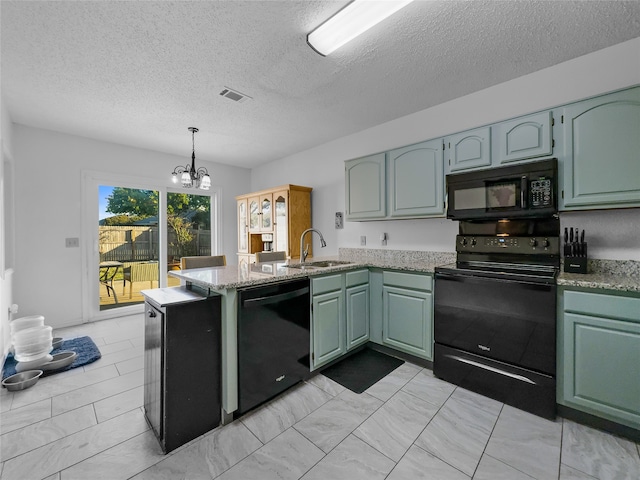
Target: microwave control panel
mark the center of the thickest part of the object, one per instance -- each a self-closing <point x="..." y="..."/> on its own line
<point x="540" y="192"/>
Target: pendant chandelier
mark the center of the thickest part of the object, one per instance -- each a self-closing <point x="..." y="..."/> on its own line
<point x="189" y="176"/>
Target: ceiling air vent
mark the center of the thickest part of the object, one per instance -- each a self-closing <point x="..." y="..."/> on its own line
<point x="234" y="95"/>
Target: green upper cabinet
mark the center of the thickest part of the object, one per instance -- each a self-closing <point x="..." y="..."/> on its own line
<point x="601" y="152"/>
<point x="365" y="185"/>
<point x="522" y="138"/>
<point x="470" y="149"/>
<point x="416" y="180"/>
<point x="600" y="352"/>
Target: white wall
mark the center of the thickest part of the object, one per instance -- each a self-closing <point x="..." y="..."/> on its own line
<point x="6" y="226"/>
<point x="614" y="234"/>
<point x="48" y="196"/>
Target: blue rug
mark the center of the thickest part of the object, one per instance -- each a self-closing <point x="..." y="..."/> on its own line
<point x="83" y="346"/>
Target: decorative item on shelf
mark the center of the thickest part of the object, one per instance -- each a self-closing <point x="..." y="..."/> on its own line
<point x="189" y="176"/>
<point x="575" y="251"/>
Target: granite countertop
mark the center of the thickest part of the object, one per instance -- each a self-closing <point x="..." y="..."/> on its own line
<point x="239" y="276"/>
<point x="621" y="275"/>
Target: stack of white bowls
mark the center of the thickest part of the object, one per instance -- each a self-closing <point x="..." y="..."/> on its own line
<point x="32" y="342"/>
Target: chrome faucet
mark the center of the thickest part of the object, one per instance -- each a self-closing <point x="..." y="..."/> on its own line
<point x="305" y="252"/>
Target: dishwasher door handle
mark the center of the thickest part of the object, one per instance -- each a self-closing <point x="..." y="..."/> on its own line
<point x="256" y="302"/>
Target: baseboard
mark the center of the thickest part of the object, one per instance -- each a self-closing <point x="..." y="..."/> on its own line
<point x="603" y="424"/>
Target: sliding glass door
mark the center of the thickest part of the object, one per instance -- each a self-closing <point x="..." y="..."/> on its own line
<point x="128" y="245"/>
<point x="188" y="229"/>
<point x="135" y="233"/>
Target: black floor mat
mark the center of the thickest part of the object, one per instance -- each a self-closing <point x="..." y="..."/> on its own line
<point x="361" y="370"/>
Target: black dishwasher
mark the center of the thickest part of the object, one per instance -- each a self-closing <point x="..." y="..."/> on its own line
<point x="273" y="340"/>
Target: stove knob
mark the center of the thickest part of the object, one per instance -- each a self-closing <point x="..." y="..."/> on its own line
<point x="473" y="242"/>
<point x="545" y="243"/>
<point x="463" y="242"/>
<point x="533" y="242"/>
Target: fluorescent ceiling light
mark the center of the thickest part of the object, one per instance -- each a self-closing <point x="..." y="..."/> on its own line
<point x="354" y="19"/>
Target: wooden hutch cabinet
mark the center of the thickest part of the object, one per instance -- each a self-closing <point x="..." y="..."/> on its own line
<point x="280" y="214"/>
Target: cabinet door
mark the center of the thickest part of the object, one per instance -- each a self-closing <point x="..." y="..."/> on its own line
<point x="266" y="213"/>
<point x="416" y="180"/>
<point x="357" y="301"/>
<point x="328" y="327"/>
<point x="601" y="374"/>
<point x="407" y="320"/>
<point x="365" y="195"/>
<point x="153" y="364"/>
<point x="601" y="145"/>
<point x="471" y="149"/>
<point x="254" y="214"/>
<point x="281" y="222"/>
<point x="525" y="137"/>
<point x="243" y="227"/>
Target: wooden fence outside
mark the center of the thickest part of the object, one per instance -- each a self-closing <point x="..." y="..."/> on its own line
<point x="139" y="243"/>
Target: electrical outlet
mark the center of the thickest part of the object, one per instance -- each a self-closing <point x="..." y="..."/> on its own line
<point x="72" y="242"/>
<point x="339" y="220"/>
<point x="363" y="240"/>
<point x="383" y="239"/>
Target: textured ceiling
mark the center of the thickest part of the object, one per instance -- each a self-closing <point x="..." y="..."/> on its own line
<point x="140" y="72"/>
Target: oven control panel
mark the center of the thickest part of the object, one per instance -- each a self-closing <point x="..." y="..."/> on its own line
<point x="522" y="245"/>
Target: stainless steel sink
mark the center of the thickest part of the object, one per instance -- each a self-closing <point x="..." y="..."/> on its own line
<point x="328" y="263"/>
<point x="318" y="264"/>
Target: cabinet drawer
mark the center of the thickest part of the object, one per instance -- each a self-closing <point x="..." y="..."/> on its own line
<point x="408" y="280"/>
<point x="596" y="304"/>
<point x="357" y="278"/>
<point x="326" y="284"/>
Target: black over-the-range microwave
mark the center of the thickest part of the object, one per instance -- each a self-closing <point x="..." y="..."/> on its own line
<point x="524" y="190"/>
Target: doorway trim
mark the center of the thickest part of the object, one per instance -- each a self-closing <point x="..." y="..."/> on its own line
<point x="91" y="180"/>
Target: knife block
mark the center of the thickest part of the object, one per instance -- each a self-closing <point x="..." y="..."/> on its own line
<point x="575" y="264"/>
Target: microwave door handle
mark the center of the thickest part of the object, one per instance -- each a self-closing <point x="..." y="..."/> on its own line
<point x="523" y="192"/>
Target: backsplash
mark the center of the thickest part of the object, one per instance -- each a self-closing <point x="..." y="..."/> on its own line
<point x="394" y="257"/>
<point x="614" y="267"/>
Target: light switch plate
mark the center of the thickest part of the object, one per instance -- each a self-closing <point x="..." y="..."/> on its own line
<point x="363" y="240"/>
<point x="339" y="220"/>
<point x="72" y="242"/>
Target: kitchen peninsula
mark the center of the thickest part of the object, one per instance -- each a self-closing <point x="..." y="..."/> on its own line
<point x="227" y="280"/>
<point x="615" y="280"/>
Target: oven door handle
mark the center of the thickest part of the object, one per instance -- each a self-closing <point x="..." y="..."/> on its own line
<point x="460" y="277"/>
<point x="489" y="368"/>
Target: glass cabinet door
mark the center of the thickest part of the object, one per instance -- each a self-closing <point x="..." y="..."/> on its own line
<point x="242" y="226"/>
<point x="266" y="213"/>
<point x="281" y="223"/>
<point x="254" y="214"/>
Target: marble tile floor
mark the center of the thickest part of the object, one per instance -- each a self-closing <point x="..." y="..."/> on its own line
<point x="88" y="423"/>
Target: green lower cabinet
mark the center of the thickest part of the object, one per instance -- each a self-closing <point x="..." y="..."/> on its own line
<point x="407" y="314"/>
<point x="328" y="327"/>
<point x="340" y="319"/>
<point x="357" y="302"/>
<point x="600" y="356"/>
